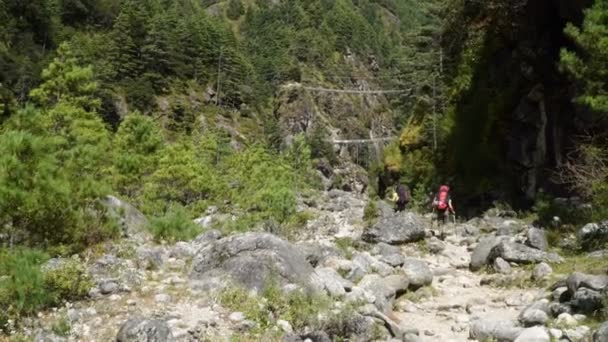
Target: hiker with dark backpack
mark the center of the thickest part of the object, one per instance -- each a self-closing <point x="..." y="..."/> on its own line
<point x="442" y="204"/>
<point x="401" y="197"/>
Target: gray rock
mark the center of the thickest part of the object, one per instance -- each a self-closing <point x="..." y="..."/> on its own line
<point x="557" y="309"/>
<point x="486" y="329"/>
<point x="409" y="337"/>
<point x="586" y="301"/>
<point x="418" y="273"/>
<point x="532" y="317"/>
<point x="535" y="334"/>
<point x="501" y="266"/>
<point x="46" y="336"/>
<point x="522" y="254"/>
<point x="396" y="229"/>
<point x="593" y="235"/>
<point x="541" y="271"/>
<point x="207" y="237"/>
<point x="150" y="257"/>
<point x="333" y="283"/>
<point x="435" y="245"/>
<point x="108" y="287"/>
<point x="182" y="250"/>
<point x="578" y="334"/>
<point x="470" y="230"/>
<point x="131" y="221"/>
<point x="558" y="292"/>
<point x="315" y="254"/>
<point x="144" y="330"/>
<point x="537" y="238"/>
<point x="251" y="259"/>
<point x="480" y="255"/>
<point x="285" y="326"/>
<point x="594" y="282"/>
<point x="385" y="290"/>
<point x="394" y="260"/>
<point x="601" y="334"/>
<point x="566" y="320"/>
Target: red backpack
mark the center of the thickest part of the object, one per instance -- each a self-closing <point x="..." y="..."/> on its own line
<point x="441" y="200"/>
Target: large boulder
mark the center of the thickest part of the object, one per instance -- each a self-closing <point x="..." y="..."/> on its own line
<point x="581" y="280"/>
<point x="333" y="282"/>
<point x="385" y="290"/>
<point x="130" y="220"/>
<point x="144" y="330"/>
<point x="396" y="229"/>
<point x="251" y="260"/>
<point x="593" y="235"/>
<point x="601" y="334"/>
<point x="480" y="255"/>
<point x="418" y="273"/>
<point x="522" y="254"/>
<point x="487" y="329"/>
<point x="535" y="334"/>
<point x="537" y="238"/>
<point x="587" y="301"/>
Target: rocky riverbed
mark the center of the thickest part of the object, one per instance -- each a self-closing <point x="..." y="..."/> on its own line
<point x="490" y="279"/>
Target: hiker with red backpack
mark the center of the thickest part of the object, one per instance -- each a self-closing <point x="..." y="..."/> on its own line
<point x="442" y="204"/>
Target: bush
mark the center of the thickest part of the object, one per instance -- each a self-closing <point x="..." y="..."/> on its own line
<point x="68" y="282"/>
<point x="176" y="225"/>
<point x="22" y="286"/>
<point x="371" y="211"/>
<point x="299" y="308"/>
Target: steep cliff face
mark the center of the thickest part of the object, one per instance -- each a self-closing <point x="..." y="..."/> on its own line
<point x="513" y="118"/>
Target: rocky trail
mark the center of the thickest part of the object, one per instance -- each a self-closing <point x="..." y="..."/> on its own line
<point x="403" y="283"/>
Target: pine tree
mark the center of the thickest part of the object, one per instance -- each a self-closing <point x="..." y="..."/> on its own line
<point x="64" y="80"/>
<point x="588" y="64"/>
<point x="157" y="54"/>
<point x="137" y="147"/>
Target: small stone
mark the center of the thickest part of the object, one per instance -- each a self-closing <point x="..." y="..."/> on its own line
<point x="578" y="333"/>
<point x="237" y="317"/>
<point x="108" y="287"/>
<point x="534" y="334"/>
<point x="541" y="271"/>
<point x="579" y="317"/>
<point x="162" y="298"/>
<point x="501" y="266"/>
<point x="94" y="293"/>
<point x="429" y="333"/>
<point x="115" y="297"/>
<point x="556" y="333"/>
<point x="131" y="302"/>
<point x="409" y="337"/>
<point x="566" y="320"/>
<point x="91" y="311"/>
<point x="285" y="326"/>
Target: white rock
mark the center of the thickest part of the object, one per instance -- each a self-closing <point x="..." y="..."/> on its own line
<point x="237" y="317"/>
<point x="162" y="298"/>
<point x="285" y="326"/>
<point x="534" y="334"/>
<point x="115" y="297"/>
<point x="566" y="320"/>
<point x="556" y="333"/>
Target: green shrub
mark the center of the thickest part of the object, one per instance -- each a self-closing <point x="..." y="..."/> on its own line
<point x="299" y="308"/>
<point x="176" y="225"/>
<point x="69" y="282"/>
<point x="22" y="286"/>
<point x="62" y="326"/>
<point x="371" y="211"/>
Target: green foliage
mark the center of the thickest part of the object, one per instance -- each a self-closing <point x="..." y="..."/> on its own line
<point x="25" y="288"/>
<point x="589" y="62"/>
<point x="182" y="178"/>
<point x="298" y="308"/>
<point x="137" y="148"/>
<point x="175" y="226"/>
<point x="70" y="281"/>
<point x="235" y="9"/>
<point x="371" y="211"/>
<point x="62" y="326"/>
<point x="22" y="290"/>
